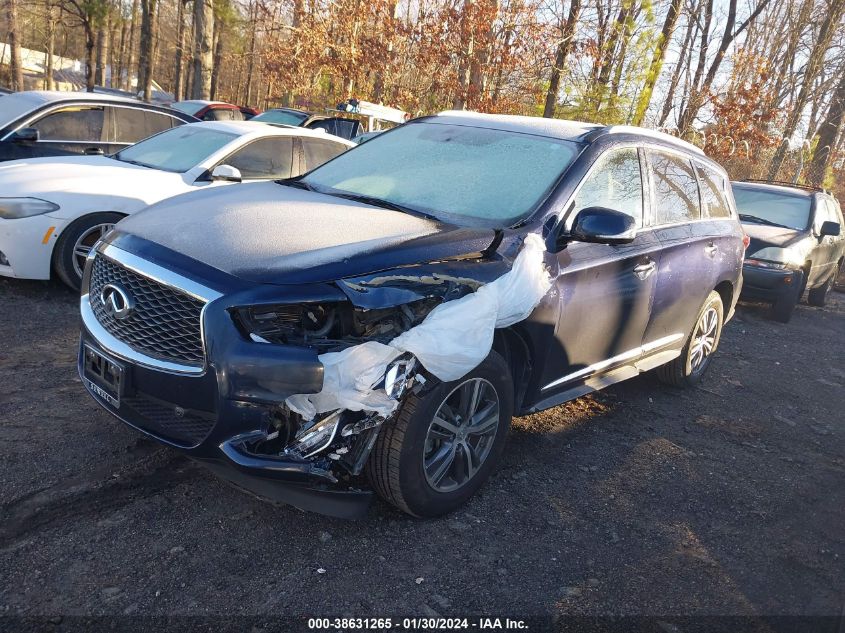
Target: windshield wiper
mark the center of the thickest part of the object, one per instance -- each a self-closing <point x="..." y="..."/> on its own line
<point x="758" y="220"/>
<point x="296" y="182"/>
<point x="131" y="162"/>
<point x="380" y="202"/>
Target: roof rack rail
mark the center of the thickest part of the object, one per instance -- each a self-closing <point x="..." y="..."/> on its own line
<point x="784" y="183"/>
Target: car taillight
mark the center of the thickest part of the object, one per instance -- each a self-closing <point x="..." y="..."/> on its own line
<point x="745" y="241"/>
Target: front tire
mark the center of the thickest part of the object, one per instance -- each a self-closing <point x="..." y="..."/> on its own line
<point x="818" y="296"/>
<point x="440" y="448"/>
<point x="688" y="368"/>
<point x="76" y="242"/>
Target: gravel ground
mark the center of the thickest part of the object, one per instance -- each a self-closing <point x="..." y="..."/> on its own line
<point x="726" y="499"/>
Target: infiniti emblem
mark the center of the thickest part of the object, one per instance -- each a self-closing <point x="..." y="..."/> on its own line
<point x="117" y="302"/>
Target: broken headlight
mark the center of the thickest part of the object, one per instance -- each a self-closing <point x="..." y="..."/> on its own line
<point x="287" y="323"/>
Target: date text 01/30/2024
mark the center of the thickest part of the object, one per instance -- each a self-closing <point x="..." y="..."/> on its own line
<point x="414" y="624"/>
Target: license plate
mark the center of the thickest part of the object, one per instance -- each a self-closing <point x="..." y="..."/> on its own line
<point x="103" y="376"/>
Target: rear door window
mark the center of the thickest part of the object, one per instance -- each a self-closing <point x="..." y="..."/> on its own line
<point x="714" y="203"/>
<point x="615" y="182"/>
<point x="264" y="159"/>
<point x="73" y="123"/>
<point x="317" y="152"/>
<point x="130" y="125"/>
<point x="344" y="128"/>
<point x="676" y="197"/>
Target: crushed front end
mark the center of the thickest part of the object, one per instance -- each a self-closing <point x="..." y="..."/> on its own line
<point x="203" y="362"/>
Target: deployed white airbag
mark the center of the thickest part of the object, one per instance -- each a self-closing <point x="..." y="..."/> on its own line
<point x="450" y="342"/>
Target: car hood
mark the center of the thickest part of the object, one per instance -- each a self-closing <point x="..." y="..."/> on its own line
<point x="270" y="233"/>
<point x="763" y="236"/>
<point x="83" y="179"/>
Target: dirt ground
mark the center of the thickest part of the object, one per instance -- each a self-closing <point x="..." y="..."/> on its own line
<point x="726" y="499"/>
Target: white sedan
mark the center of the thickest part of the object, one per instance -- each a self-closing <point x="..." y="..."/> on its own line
<point x="53" y="210"/>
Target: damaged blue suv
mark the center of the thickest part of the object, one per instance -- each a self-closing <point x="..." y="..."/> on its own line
<point x="203" y="314"/>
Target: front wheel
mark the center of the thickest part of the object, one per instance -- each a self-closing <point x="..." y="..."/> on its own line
<point x="818" y="296"/>
<point x="76" y="242"/>
<point x="440" y="448"/>
<point x="689" y="367"/>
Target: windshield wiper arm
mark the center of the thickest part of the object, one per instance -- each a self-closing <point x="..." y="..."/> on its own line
<point x="754" y="218"/>
<point x="384" y="204"/>
<point x="296" y="182"/>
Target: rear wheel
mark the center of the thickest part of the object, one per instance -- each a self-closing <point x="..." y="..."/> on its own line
<point x="76" y="242"/>
<point x="441" y="448"/>
<point x="689" y="367"/>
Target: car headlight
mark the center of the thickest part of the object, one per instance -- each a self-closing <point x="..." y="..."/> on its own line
<point x="759" y="263"/>
<point x="291" y="323"/>
<point x="15" y="208"/>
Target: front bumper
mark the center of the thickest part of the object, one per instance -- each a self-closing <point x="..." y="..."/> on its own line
<point x="218" y="413"/>
<point x="27" y="244"/>
<point x="764" y="284"/>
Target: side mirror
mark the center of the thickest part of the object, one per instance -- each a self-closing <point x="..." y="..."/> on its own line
<point x="27" y="135"/>
<point x="829" y="228"/>
<point x="226" y="173"/>
<point x="603" y="226"/>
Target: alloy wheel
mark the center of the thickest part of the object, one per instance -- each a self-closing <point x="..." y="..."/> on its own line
<point x="704" y="339"/>
<point x="461" y="435"/>
<point x="85" y="243"/>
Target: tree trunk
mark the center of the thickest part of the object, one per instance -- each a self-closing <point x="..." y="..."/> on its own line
<point x="657" y="61"/>
<point x="130" y="59"/>
<point x="218" y="58"/>
<point x="102" y="51"/>
<point x="51" y="45"/>
<point x="561" y="55"/>
<point x="178" y="75"/>
<point x="669" y="100"/>
<point x="828" y="132"/>
<point x="15" y="65"/>
<point x="146" y="48"/>
<point x="203" y="58"/>
<point x="90" y="48"/>
<point x="814" y="64"/>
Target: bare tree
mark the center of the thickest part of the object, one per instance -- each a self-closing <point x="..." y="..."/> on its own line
<point x="657" y="58"/>
<point x="15" y="65"/>
<point x="203" y="40"/>
<point x="564" y="46"/>
<point x="829" y="130"/>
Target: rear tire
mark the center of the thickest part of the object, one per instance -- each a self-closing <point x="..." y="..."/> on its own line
<point x="818" y="296"/>
<point x="74" y="243"/>
<point x="403" y="465"/>
<point x="688" y="368"/>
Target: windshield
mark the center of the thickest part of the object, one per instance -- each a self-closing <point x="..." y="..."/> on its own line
<point x="772" y="207"/>
<point x="461" y="174"/>
<point x="178" y="149"/>
<point x="15" y="106"/>
<point x="188" y="107"/>
<point x="283" y="117"/>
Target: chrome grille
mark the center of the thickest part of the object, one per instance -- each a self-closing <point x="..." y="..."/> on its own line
<point x="165" y="323"/>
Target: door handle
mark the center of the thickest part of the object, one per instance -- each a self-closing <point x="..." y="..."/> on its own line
<point x="711" y="249"/>
<point x="642" y="271"/>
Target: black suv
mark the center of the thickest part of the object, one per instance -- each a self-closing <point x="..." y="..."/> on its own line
<point x="796" y="244"/>
<point x="37" y="123"/>
<point x="202" y="315"/>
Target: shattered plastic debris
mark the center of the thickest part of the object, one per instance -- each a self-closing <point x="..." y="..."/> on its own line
<point x="450" y="342"/>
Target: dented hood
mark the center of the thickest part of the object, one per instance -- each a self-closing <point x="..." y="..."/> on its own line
<point x="271" y="233"/>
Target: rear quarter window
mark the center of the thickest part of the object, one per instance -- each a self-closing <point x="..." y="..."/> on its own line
<point x="676" y="197"/>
